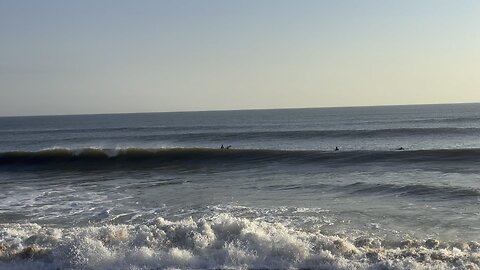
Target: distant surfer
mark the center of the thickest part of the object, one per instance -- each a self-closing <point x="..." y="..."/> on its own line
<point x="221" y="147"/>
<point x="228" y="147"/>
<point x="400" y="149"/>
<point x="336" y="148"/>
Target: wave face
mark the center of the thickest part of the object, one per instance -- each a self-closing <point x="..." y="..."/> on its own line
<point x="206" y="156"/>
<point x="220" y="241"/>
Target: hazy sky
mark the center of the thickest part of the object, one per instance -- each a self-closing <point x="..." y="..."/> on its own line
<point x="98" y="56"/>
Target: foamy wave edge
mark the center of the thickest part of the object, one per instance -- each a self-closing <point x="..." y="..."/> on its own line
<point x="222" y="241"/>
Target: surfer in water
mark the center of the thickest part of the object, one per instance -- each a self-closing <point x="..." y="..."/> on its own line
<point x="221" y="147"/>
<point x="336" y="148"/>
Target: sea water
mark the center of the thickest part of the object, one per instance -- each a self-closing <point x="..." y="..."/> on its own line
<point x="155" y="190"/>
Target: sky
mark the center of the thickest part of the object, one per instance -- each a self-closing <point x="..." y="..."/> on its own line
<point x="110" y="56"/>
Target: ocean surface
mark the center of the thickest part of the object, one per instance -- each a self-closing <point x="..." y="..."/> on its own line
<point x="155" y="191"/>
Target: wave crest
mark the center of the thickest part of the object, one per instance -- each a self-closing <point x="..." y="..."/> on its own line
<point x="143" y="156"/>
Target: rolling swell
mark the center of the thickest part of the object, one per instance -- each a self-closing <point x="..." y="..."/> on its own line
<point x="214" y="133"/>
<point x="414" y="190"/>
<point x="343" y="133"/>
<point x="208" y="156"/>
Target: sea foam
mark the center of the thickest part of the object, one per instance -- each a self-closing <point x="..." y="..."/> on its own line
<point x="221" y="241"/>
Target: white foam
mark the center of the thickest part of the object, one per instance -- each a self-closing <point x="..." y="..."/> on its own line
<point x="222" y="241"/>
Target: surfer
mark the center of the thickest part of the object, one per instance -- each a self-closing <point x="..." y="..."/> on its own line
<point x="221" y="147"/>
<point x="228" y="147"/>
<point x="336" y="148"/>
<point x="400" y="148"/>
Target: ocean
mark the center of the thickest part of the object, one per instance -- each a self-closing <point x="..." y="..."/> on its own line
<point x="156" y="191"/>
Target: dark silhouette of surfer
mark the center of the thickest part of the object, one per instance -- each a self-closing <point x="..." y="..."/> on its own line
<point x="228" y="147"/>
<point x="400" y="148"/>
<point x="336" y="148"/>
<point x="221" y="147"/>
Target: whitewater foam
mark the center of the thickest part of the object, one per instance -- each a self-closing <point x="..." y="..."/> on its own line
<point x="222" y="241"/>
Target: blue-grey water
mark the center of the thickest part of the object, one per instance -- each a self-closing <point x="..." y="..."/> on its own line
<point x="154" y="190"/>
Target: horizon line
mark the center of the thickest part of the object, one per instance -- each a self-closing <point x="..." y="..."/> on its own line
<point x="251" y="109"/>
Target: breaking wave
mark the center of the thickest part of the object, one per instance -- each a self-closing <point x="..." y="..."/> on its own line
<point x="206" y="156"/>
<point x="220" y="241"/>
